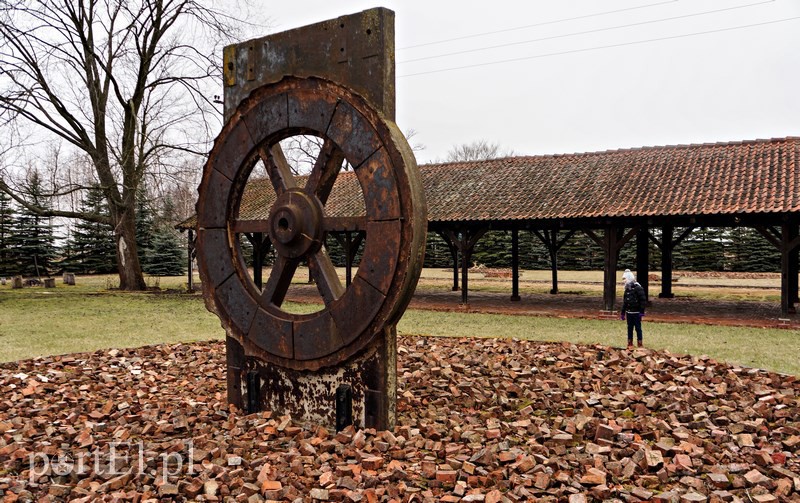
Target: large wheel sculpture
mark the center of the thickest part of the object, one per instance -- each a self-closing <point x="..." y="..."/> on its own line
<point x="394" y="222"/>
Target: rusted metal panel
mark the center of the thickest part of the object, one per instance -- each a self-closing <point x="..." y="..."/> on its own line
<point x="356" y="136"/>
<point x="356" y="50"/>
<point x="237" y="143"/>
<point x="308" y="109"/>
<point x="212" y="207"/>
<point x="269" y="331"/>
<point x="350" y="322"/>
<point x="316" y="337"/>
<point x="236" y="304"/>
<point x="215" y="268"/>
<point x="379" y="261"/>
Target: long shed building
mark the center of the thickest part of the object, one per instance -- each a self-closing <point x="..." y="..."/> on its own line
<point x="612" y="196"/>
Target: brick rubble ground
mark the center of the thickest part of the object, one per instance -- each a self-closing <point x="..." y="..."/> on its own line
<point x="478" y="420"/>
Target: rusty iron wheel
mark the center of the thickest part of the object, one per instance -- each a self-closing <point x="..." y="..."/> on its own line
<point x="394" y="221"/>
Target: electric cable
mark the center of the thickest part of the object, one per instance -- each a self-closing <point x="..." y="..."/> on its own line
<point x="596" y="48"/>
<point x="545" y="23"/>
<point x="596" y="30"/>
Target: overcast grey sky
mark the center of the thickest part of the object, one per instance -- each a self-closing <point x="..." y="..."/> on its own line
<point x="584" y="75"/>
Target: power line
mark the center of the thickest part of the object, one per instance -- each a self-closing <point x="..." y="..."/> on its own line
<point x="587" y="49"/>
<point x="596" y="30"/>
<point x="545" y="23"/>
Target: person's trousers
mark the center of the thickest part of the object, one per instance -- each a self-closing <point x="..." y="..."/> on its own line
<point x="634" y="322"/>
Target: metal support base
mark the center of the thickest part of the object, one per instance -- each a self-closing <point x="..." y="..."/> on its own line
<point x="361" y="391"/>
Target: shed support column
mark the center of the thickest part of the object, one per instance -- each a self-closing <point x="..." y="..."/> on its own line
<point x="261" y="246"/>
<point x="794" y="270"/>
<point x="789" y="267"/>
<point x="552" y="249"/>
<point x="612" y="241"/>
<point x="550" y="239"/>
<point x="466" y="255"/>
<point x="643" y="260"/>
<point x="258" y="260"/>
<point x="454" y="254"/>
<point x="350" y="246"/>
<point x="666" y="262"/>
<point x="610" y="268"/>
<point x="448" y="238"/>
<point x="514" y="265"/>
<point x="466" y="243"/>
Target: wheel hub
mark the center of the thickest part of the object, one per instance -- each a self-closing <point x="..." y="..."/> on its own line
<point x="295" y="224"/>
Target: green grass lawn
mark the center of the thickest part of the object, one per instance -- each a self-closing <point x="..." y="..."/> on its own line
<point x="87" y="317"/>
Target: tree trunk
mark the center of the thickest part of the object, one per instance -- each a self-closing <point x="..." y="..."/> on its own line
<point x="130" y="270"/>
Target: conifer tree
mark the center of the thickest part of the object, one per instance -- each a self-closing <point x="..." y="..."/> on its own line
<point x="751" y="252"/>
<point x="166" y="256"/>
<point x="702" y="250"/>
<point x="493" y="249"/>
<point x="34" y="237"/>
<point x="580" y="253"/>
<point x="437" y="253"/>
<point x="145" y="228"/>
<point x="8" y="219"/>
<point x="90" y="249"/>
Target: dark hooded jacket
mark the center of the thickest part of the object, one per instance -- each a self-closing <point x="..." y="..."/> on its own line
<point x="634" y="299"/>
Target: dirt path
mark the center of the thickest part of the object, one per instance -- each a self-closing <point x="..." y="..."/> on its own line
<point x="676" y="310"/>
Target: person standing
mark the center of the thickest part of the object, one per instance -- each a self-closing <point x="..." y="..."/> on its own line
<point x="633" y="305"/>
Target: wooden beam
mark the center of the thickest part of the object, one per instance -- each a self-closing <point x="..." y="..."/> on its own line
<point x="643" y="260"/>
<point x="667" y="244"/>
<point x="551" y="242"/>
<point x="515" y="265"/>
<point x="683" y="236"/>
<point x="450" y="238"/>
<point x="611" y="255"/>
<point x="342" y="224"/>
<point x="789" y="239"/>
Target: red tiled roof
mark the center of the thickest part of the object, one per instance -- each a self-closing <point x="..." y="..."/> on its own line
<point x="760" y="176"/>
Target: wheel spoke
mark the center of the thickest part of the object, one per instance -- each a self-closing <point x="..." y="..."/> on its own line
<point x="251" y="226"/>
<point x="280" y="174"/>
<point x="279" y="280"/>
<point x="326" y="169"/>
<point x="324" y="273"/>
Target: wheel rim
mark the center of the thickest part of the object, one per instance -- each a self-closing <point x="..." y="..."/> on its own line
<point x="394" y="222"/>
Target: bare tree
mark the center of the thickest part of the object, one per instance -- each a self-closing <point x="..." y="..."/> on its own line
<point x="479" y="150"/>
<point x="415" y="146"/>
<point x="122" y="82"/>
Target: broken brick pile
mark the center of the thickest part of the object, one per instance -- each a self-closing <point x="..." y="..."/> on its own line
<point x="478" y="420"/>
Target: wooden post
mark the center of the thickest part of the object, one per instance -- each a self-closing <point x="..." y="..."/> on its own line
<point x="448" y="237"/>
<point x="666" y="262"/>
<point x="794" y="270"/>
<point x="787" y="241"/>
<point x="611" y="252"/>
<point x="466" y="243"/>
<point x="789" y="244"/>
<point x="350" y="246"/>
<point x="667" y="246"/>
<point x="551" y="241"/>
<point x="643" y="260"/>
<point x="466" y="255"/>
<point x="515" y="265"/>
<point x="612" y="241"/>
<point x="552" y="251"/>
